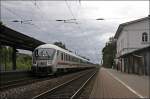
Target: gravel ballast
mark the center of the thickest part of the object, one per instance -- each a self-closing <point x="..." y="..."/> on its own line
<point x="31" y="90"/>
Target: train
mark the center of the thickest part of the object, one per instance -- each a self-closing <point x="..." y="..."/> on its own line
<point x="49" y="59"/>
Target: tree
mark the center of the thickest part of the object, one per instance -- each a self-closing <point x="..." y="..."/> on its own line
<point x="109" y="52"/>
<point x="60" y="44"/>
<point x="1" y="23"/>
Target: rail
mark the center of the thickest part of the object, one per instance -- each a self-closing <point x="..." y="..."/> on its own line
<point x="81" y="81"/>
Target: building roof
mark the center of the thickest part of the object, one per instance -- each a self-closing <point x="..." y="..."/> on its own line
<point x="14" y="38"/>
<point x="137" y="51"/>
<point x="121" y="26"/>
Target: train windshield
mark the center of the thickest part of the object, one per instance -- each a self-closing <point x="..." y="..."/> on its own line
<point x="44" y="53"/>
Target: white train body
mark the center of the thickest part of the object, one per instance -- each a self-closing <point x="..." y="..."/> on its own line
<point x="51" y="59"/>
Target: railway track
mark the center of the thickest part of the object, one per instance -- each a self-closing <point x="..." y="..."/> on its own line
<point x="24" y="81"/>
<point x="21" y="82"/>
<point x="70" y="89"/>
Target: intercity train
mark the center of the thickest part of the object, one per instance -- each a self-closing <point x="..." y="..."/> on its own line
<point x="51" y="59"/>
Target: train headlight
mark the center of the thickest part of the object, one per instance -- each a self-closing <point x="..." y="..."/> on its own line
<point x="34" y="64"/>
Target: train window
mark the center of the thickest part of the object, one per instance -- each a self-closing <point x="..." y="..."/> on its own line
<point x="74" y="59"/>
<point x="69" y="57"/>
<point x="36" y="53"/>
<point x="61" y="56"/>
<point x="81" y="61"/>
<point x="77" y="60"/>
<point x="44" y="53"/>
<point x="64" y="57"/>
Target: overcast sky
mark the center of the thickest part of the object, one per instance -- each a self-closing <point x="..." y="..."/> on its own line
<point x="85" y="35"/>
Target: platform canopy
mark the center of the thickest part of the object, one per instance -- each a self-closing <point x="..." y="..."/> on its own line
<point x="18" y="40"/>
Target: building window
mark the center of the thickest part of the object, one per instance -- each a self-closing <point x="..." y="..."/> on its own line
<point x="144" y="37"/>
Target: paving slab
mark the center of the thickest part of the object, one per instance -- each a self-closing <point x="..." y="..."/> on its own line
<point x="139" y="83"/>
<point x="109" y="85"/>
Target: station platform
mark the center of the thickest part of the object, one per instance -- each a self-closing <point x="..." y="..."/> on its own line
<point x="8" y="76"/>
<point x="114" y="84"/>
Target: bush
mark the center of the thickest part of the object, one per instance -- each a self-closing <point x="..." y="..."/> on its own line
<point x="23" y="62"/>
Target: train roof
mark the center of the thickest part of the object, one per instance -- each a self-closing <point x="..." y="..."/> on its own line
<point x="60" y="49"/>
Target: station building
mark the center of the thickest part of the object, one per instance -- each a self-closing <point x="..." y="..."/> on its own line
<point x="133" y="46"/>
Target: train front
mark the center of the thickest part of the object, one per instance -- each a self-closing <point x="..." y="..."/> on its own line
<point x="42" y="61"/>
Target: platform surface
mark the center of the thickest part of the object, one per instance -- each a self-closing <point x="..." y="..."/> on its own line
<point x="114" y="84"/>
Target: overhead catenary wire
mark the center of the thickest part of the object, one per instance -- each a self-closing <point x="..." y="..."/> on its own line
<point x="42" y="16"/>
<point x="70" y="9"/>
<point x="68" y="6"/>
<point x="21" y="18"/>
<point x="73" y="18"/>
<point x="14" y="13"/>
<point x="78" y="26"/>
<point x="86" y="41"/>
<point x="36" y="5"/>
